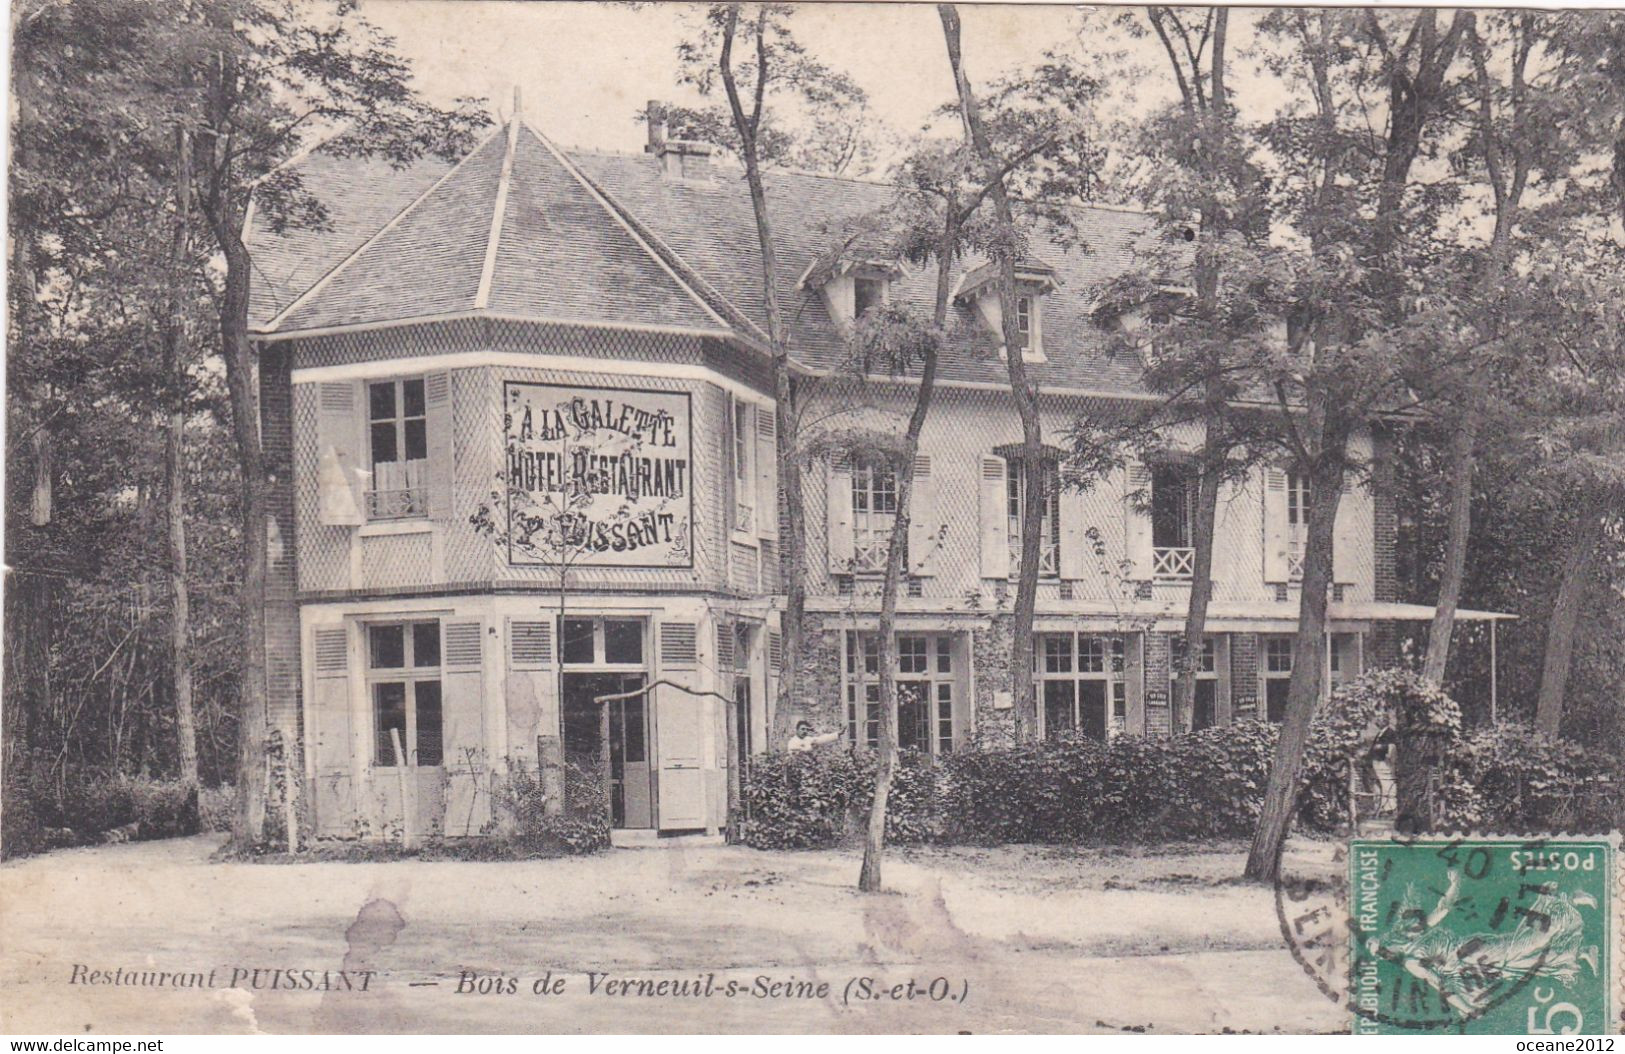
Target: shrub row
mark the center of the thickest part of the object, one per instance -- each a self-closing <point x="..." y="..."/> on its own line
<point x="52" y="809"/>
<point x="1207" y="784"/>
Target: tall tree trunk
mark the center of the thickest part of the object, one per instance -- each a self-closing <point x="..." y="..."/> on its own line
<point x="1507" y="184"/>
<point x="1032" y="461"/>
<point x="1578" y="565"/>
<point x="180" y="622"/>
<point x="1206" y="515"/>
<point x="248" y="826"/>
<point x="1462" y="459"/>
<point x="792" y="542"/>
<point x="1303" y="693"/>
<point x="874" y="843"/>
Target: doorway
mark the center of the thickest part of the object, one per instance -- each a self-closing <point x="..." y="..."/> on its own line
<point x="612" y="738"/>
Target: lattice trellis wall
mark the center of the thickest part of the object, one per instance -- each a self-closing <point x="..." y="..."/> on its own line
<point x="324" y="552"/>
<point x="965" y="426"/>
<point x="474" y="335"/>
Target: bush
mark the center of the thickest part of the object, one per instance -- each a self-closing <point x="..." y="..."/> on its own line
<point x="818" y="798"/>
<point x="1205" y="784"/>
<point x="528" y="829"/>
<point x="50" y="808"/>
<point x="1509" y="779"/>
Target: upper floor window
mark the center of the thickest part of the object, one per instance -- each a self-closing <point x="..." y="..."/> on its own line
<point x="1049" y="532"/>
<point x="1173" y="506"/>
<point x="1297" y="521"/>
<point x="874" y="514"/>
<point x="398" y="437"/>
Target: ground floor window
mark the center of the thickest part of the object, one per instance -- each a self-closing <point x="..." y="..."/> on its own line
<point x="926" y="691"/>
<point x="1206" y="710"/>
<point x="1079" y="678"/>
<point x="403" y="675"/>
<point x="1277" y="676"/>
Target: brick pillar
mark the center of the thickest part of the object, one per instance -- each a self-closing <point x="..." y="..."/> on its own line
<point x="1385" y="507"/>
<point x="283" y="712"/>
<point x="990" y="659"/>
<point x="1243" y="676"/>
<point x="1159" y="720"/>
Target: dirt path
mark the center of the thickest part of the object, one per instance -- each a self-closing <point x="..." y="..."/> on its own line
<point x="1023" y="938"/>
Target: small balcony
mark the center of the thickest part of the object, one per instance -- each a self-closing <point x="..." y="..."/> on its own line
<point x="1173" y="563"/>
<point x="744" y="518"/>
<point x="405" y="503"/>
<point x="1049" y="557"/>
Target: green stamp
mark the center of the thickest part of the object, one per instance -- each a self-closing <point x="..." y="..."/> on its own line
<point x="1482" y="936"/>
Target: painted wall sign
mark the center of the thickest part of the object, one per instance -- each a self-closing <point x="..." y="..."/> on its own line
<point x="598" y="477"/>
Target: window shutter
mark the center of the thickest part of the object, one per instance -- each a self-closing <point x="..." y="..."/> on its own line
<point x="1074" y="534"/>
<point x="462" y="647"/>
<point x="1347" y="535"/>
<point x="767" y="473"/>
<point x="332" y="648"/>
<point x="679" y="645"/>
<point x="340" y="453"/>
<point x="1276" y="562"/>
<point x="530" y="645"/>
<point x="725" y="644"/>
<point x="995" y="529"/>
<point x="437" y="422"/>
<point x="839" y="525"/>
<point x="1137" y="521"/>
<point x="775" y="651"/>
<point x="924" y="528"/>
<point x="730" y="483"/>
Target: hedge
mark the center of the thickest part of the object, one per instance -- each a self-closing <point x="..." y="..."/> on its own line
<point x="1206" y="784"/>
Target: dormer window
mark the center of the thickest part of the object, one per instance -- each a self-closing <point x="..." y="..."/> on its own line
<point x="1025" y="308"/>
<point x="979" y="288"/>
<point x="851" y="286"/>
<point x="868" y="293"/>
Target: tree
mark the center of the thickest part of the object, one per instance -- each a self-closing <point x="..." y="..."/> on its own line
<point x="249" y="82"/>
<point x="1348" y="299"/>
<point x="1514" y="134"/>
<point x="1034" y="130"/>
<point x="1582" y="439"/>
<point x="938" y="197"/>
<point x="1201" y="345"/>
<point x="778" y="71"/>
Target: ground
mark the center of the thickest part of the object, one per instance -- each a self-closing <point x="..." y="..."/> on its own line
<point x="1035" y="939"/>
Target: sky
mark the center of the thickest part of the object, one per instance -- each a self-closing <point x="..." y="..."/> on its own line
<point x="584" y="69"/>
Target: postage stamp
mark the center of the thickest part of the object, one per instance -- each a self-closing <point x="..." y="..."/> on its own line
<point x="1482" y="936"/>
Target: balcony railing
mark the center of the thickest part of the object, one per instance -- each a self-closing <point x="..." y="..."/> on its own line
<point x="1173" y="563"/>
<point x="869" y="552"/>
<point x="1049" y="557"/>
<point x="1295" y="546"/>
<point x="744" y="517"/>
<point x="403" y="504"/>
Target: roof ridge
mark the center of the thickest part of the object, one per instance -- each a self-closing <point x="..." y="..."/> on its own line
<point x="376" y="236"/>
<point x="620" y="216"/>
<point x="482" y="297"/>
<point x="862" y="181"/>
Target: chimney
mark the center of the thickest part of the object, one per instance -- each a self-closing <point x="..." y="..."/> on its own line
<point x="655" y="115"/>
<point x="685" y="159"/>
<point x="679" y="158"/>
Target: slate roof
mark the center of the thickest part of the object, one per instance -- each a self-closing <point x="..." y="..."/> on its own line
<point x="646" y="250"/>
<point x="510" y="230"/>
